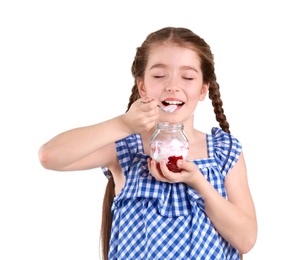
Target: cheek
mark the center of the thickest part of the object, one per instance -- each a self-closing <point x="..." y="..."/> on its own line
<point x="193" y="94"/>
<point x="149" y="92"/>
<point x="197" y="93"/>
<point x="152" y="89"/>
<point x="153" y="94"/>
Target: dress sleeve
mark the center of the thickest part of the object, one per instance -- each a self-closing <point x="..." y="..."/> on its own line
<point x="127" y="149"/>
<point x="227" y="149"/>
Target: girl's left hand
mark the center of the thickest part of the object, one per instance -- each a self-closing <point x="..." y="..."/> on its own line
<point x="188" y="175"/>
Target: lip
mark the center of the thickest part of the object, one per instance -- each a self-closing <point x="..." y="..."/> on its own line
<point x="173" y="99"/>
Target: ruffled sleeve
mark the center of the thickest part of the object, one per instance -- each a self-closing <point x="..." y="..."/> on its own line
<point x="226" y="148"/>
<point x="127" y="149"/>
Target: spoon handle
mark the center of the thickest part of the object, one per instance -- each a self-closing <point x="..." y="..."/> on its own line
<point x="168" y="109"/>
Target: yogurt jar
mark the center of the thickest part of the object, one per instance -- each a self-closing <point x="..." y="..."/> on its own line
<point x="170" y="143"/>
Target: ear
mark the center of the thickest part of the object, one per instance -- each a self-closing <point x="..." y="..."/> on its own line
<point x="204" y="91"/>
<point x="141" y="87"/>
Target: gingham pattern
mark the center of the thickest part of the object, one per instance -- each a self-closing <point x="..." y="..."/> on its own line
<point x="154" y="220"/>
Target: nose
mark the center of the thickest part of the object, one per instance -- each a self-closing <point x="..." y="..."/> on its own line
<point x="171" y="86"/>
<point x="172" y="89"/>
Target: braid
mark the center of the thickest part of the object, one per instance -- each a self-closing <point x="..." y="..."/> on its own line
<point x="107" y="216"/>
<point x="134" y="96"/>
<point x="214" y="95"/>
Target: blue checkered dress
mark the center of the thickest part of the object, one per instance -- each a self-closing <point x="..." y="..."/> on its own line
<point x="154" y="220"/>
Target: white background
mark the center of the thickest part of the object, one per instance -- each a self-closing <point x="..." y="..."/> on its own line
<point x="65" y="64"/>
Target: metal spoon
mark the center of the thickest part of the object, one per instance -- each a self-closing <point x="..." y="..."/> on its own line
<point x="168" y="109"/>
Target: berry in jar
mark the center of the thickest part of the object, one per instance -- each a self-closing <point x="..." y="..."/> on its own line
<point x="170" y="143"/>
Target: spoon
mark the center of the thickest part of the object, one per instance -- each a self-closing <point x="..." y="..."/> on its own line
<point x="168" y="109"/>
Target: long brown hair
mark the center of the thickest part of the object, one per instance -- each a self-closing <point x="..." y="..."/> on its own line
<point x="185" y="38"/>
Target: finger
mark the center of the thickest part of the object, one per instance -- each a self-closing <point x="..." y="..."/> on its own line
<point x="163" y="167"/>
<point x="148" y="104"/>
<point x="153" y="168"/>
<point x="145" y="100"/>
<point x="166" y="173"/>
<point x="156" y="171"/>
<point x="186" y="165"/>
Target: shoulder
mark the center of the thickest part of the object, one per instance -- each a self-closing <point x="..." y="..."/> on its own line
<point x="224" y="141"/>
<point x="226" y="148"/>
<point x="131" y="144"/>
<point x="124" y="151"/>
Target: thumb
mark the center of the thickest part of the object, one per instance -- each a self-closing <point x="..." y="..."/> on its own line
<point x="186" y="165"/>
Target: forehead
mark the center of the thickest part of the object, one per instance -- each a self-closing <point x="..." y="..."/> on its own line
<point x="171" y="55"/>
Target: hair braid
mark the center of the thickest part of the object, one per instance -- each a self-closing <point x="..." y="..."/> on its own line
<point x="133" y="96"/>
<point x="107" y="216"/>
<point x="214" y="95"/>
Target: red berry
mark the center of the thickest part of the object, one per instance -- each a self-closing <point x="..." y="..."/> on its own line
<point x="172" y="163"/>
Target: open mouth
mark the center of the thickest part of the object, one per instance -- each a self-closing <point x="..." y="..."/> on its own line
<point x="172" y="102"/>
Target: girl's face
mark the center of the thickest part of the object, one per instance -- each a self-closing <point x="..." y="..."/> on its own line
<point x="173" y="76"/>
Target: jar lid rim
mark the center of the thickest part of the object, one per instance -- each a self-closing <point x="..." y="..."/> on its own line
<point x="171" y="125"/>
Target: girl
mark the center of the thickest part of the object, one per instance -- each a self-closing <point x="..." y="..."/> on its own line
<point x="203" y="212"/>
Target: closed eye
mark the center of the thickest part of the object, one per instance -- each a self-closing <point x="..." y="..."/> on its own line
<point x="187" y="78"/>
<point x="158" y="77"/>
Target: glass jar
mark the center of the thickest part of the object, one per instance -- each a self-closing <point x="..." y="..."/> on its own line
<point x="170" y="143"/>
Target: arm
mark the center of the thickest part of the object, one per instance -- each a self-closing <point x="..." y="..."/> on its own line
<point x="93" y="146"/>
<point x="235" y="218"/>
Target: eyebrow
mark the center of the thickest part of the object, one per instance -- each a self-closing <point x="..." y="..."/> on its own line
<point x="160" y="65"/>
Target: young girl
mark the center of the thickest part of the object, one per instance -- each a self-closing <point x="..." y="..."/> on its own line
<point x="203" y="212"/>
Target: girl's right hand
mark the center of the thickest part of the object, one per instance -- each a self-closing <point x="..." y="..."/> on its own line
<point x="142" y="116"/>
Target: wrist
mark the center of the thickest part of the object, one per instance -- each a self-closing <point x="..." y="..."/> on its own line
<point x="125" y="125"/>
<point x="195" y="180"/>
